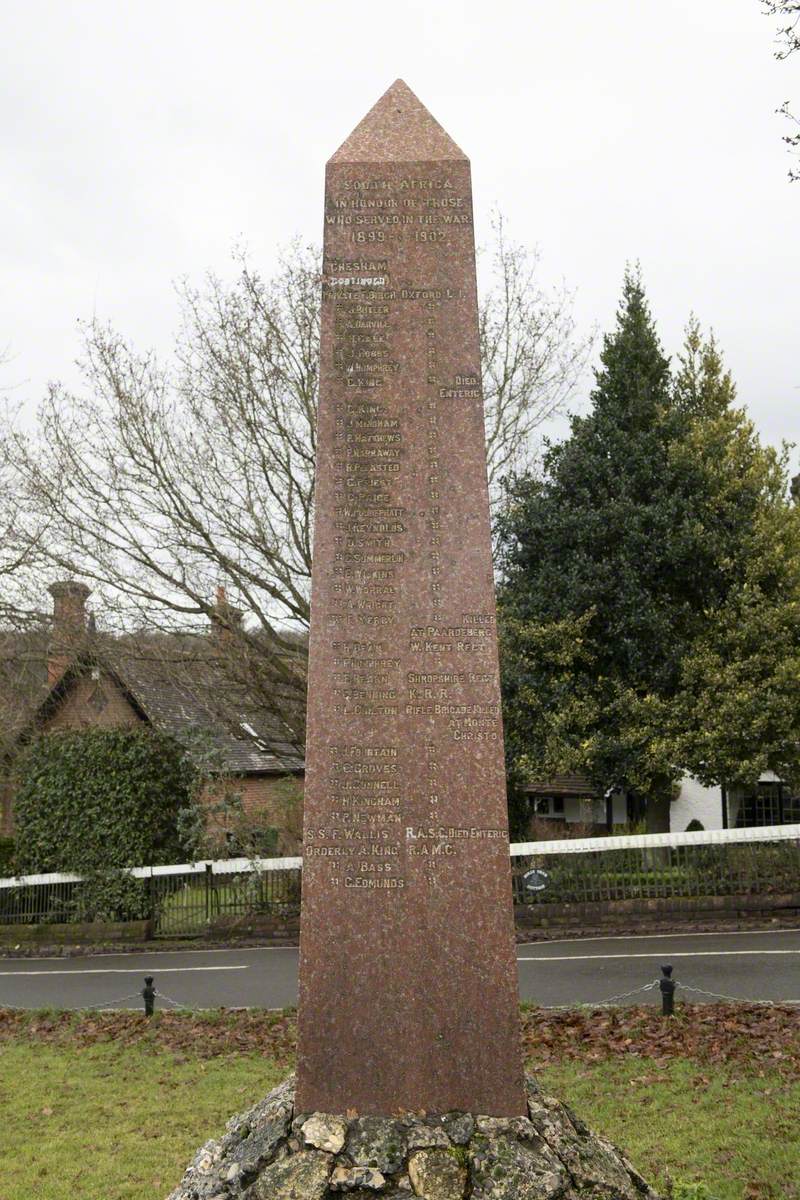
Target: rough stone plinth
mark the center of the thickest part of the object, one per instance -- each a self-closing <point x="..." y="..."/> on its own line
<point x="274" y="1153"/>
<point x="408" y="980"/>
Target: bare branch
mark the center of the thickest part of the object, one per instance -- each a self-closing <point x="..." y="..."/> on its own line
<point x="532" y="359"/>
<point x="158" y="483"/>
<point x="788" y="42"/>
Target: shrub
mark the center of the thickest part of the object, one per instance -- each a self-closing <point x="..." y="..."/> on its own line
<point x="226" y="828"/>
<point x="97" y="800"/>
<point x="108" y="895"/>
<point x="6" y="857"/>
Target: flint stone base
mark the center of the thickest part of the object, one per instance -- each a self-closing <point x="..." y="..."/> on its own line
<point x="275" y="1153"/>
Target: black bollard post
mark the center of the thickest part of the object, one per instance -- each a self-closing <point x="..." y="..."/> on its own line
<point x="667" y="985"/>
<point x="149" y="996"/>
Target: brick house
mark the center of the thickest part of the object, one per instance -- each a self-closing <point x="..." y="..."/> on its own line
<point x="94" y="681"/>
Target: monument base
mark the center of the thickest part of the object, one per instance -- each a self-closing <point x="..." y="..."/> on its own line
<point x="274" y="1153"/>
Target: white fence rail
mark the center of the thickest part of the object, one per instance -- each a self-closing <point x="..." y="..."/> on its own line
<point x="222" y="866"/>
<point x="180" y="899"/>
<point x="644" y="841"/>
<point x="639" y="841"/>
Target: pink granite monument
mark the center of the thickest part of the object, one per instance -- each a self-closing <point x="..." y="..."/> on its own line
<point x="409" y="1075"/>
<point x="408" y="982"/>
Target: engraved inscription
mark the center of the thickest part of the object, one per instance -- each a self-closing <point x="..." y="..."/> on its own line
<point x="394" y="509"/>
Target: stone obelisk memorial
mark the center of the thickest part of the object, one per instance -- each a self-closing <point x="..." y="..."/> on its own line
<point x="409" y="1075"/>
<point x="408" y="985"/>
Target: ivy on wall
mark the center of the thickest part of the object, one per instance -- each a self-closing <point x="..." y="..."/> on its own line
<point x="94" y="800"/>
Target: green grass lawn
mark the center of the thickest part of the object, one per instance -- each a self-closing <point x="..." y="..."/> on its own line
<point x="739" y="1133"/>
<point x="112" y="1123"/>
<point x="117" y="1120"/>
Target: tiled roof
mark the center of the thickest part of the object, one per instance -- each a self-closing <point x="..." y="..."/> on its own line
<point x="23" y="678"/>
<point x="183" y="695"/>
<point x="562" y="785"/>
<point x="202" y="699"/>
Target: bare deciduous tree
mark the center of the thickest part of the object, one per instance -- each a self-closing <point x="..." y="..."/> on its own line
<point x="22" y="627"/>
<point x="531" y="356"/>
<point x="788" y="38"/>
<point x="157" y="484"/>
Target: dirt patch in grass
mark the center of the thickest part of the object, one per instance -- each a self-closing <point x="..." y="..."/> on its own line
<point x="750" y="1036"/>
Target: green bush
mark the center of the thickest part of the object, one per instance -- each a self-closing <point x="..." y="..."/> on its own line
<point x="96" y="800"/>
<point x="108" y="895"/>
<point x="6" y="857"/>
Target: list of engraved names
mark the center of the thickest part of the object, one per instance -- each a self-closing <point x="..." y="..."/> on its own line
<point x="412" y="650"/>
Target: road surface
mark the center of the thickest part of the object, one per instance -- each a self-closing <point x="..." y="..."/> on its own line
<point x="747" y="965"/>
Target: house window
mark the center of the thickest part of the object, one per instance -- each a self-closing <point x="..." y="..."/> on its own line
<point x="764" y="805"/>
<point x="549" y="806"/>
<point x="791" y="809"/>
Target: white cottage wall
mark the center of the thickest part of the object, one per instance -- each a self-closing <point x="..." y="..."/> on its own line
<point x="696" y="803"/>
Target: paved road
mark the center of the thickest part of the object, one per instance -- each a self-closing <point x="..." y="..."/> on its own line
<point x="748" y="965"/>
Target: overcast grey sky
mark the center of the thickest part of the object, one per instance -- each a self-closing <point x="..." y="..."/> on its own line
<point x="139" y="141"/>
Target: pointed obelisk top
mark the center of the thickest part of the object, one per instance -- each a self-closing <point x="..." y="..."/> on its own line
<point x="398" y="128"/>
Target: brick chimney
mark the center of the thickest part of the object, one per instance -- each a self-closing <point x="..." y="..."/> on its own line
<point x="226" y="621"/>
<point x="69" y="625"/>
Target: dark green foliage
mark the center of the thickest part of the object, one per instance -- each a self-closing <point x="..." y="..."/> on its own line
<point x="651" y="565"/>
<point x="225" y="828"/>
<point x="6" y="857"/>
<point x="599" y="563"/>
<point x="96" y="800"/>
<point x="589" y="533"/>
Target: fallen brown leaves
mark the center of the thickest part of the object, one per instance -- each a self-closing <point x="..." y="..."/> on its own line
<point x="746" y="1035"/>
<point x="190" y="1035"/>
<point x="751" y="1036"/>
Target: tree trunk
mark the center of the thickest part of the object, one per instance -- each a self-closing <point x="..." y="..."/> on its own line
<point x="657" y="814"/>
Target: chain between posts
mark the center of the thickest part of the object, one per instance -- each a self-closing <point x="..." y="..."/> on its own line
<point x="174" y="1003"/>
<point x="667" y="986"/>
<point x="736" y="999"/>
<point x="602" y="1003"/>
<point x="107" y="1003"/>
<point x="148" y="993"/>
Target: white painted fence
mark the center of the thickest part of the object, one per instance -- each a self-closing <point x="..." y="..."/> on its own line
<point x="642" y="841"/>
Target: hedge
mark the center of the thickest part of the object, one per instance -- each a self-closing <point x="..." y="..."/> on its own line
<point x="92" y="800"/>
<point x="7" y="857"/>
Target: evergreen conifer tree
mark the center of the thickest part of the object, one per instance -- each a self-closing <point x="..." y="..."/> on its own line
<point x="622" y="569"/>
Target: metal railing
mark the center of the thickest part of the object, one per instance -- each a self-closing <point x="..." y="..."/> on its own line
<point x="223" y="895"/>
<point x="727" y="862"/>
<point x="178" y="900"/>
<point x="188" y="899"/>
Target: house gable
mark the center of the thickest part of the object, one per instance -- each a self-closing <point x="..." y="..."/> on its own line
<point x="91" y="699"/>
